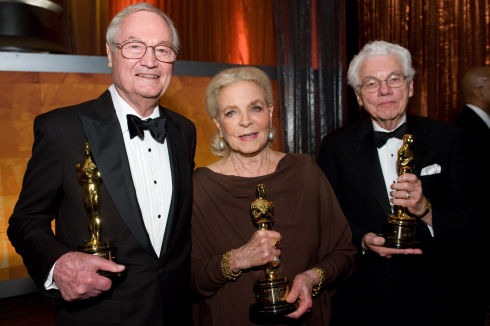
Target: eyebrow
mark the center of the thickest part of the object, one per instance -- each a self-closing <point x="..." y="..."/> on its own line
<point x="254" y="102"/>
<point x="396" y="72"/>
<point x="133" y="38"/>
<point x="257" y="101"/>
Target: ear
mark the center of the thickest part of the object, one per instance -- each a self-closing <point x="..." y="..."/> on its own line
<point x="271" y="110"/>
<point x="410" y="89"/>
<point x="477" y="92"/>
<point x="216" y="122"/>
<point x="109" y="54"/>
<point x="359" y="97"/>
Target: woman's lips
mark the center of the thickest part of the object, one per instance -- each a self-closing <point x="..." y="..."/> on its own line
<point x="249" y="136"/>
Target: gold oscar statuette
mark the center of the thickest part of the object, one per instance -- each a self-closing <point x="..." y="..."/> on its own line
<point x="271" y="291"/>
<point x="400" y="226"/>
<point x="89" y="178"/>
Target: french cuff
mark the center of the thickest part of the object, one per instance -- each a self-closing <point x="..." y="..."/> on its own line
<point x="49" y="284"/>
<point x="431" y="230"/>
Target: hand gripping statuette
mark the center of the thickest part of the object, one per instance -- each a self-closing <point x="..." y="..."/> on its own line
<point x="270" y="292"/>
<point x="400" y="226"/>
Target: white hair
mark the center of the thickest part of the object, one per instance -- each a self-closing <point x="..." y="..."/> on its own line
<point x="378" y="48"/>
<point x="114" y="26"/>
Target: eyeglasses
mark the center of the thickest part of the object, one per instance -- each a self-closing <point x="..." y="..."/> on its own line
<point x="372" y="85"/>
<point x="132" y="49"/>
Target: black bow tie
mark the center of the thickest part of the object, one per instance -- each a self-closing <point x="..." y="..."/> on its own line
<point x="380" y="137"/>
<point x="156" y="127"/>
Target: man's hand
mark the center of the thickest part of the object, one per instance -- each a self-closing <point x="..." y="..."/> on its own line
<point x="375" y="243"/>
<point x="407" y="192"/>
<point x="75" y="275"/>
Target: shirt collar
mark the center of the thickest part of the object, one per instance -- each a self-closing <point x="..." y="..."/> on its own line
<point x="123" y="108"/>
<point x="378" y="128"/>
<point x="482" y="114"/>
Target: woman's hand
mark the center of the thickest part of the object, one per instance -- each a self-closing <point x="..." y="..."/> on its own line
<point x="262" y="248"/>
<point x="301" y="291"/>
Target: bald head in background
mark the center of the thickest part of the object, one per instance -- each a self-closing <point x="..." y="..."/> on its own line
<point x="476" y="87"/>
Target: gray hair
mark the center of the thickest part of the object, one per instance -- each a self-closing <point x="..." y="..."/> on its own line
<point x="377" y="48"/>
<point x="228" y="77"/>
<point x="114" y="26"/>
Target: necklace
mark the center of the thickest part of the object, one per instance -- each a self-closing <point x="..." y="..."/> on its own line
<point x="233" y="162"/>
<point x="268" y="159"/>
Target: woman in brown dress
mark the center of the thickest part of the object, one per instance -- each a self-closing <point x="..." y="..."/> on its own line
<point x="310" y="240"/>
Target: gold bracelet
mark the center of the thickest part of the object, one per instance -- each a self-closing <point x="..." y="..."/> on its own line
<point x="318" y="287"/>
<point x="226" y="268"/>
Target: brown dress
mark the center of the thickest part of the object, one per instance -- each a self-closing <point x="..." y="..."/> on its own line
<point x="306" y="213"/>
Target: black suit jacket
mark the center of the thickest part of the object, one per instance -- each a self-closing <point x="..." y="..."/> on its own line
<point x="152" y="291"/>
<point x="373" y="294"/>
<point x="476" y="137"/>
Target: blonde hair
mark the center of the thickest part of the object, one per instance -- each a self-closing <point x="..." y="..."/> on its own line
<point x="228" y="77"/>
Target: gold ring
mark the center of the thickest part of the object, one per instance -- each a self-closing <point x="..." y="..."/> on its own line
<point x="277" y="245"/>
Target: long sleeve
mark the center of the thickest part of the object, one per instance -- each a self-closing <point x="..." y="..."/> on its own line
<point x="30" y="223"/>
<point x="307" y="215"/>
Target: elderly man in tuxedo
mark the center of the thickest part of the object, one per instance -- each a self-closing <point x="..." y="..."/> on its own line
<point x="393" y="286"/>
<point x="145" y="156"/>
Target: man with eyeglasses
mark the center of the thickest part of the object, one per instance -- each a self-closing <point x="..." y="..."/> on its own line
<point x="145" y="156"/>
<point x="392" y="286"/>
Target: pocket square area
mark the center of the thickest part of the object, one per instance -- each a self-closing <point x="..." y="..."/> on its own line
<point x="431" y="169"/>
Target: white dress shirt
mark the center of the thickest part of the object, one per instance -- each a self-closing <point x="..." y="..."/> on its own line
<point x="150" y="169"/>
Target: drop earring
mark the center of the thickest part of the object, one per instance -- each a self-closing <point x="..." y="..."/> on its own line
<point x="270" y="136"/>
<point x="221" y="143"/>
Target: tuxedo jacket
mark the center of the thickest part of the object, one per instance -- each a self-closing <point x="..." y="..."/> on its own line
<point x="152" y="290"/>
<point x="350" y="160"/>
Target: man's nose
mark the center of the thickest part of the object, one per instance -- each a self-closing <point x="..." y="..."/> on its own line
<point x="384" y="89"/>
<point x="149" y="59"/>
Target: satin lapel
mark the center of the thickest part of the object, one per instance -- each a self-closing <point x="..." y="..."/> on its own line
<point x="367" y="155"/>
<point x="415" y="127"/>
<point x="173" y="140"/>
<point x="107" y="145"/>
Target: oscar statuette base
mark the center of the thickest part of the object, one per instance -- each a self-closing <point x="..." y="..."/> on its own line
<point x="270" y="298"/>
<point x="103" y="249"/>
<point x="400" y="232"/>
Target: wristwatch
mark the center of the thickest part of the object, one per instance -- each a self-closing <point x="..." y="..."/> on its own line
<point x="427" y="207"/>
